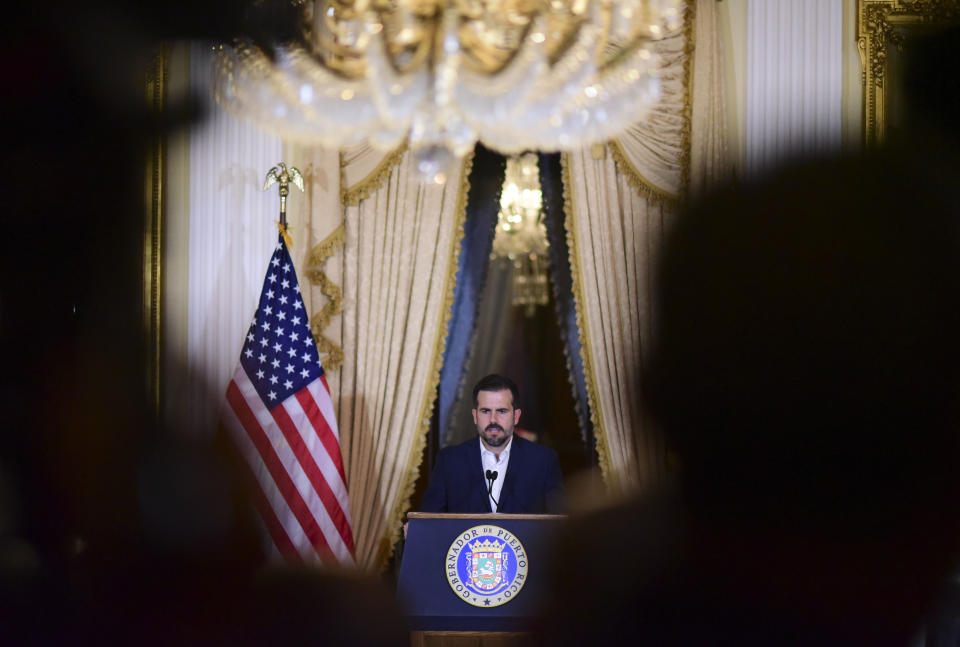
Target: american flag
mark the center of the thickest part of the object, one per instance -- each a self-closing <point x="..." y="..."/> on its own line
<point x="280" y="415"/>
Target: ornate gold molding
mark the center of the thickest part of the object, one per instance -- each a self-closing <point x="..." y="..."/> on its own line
<point x="155" y="93"/>
<point x="879" y="27"/>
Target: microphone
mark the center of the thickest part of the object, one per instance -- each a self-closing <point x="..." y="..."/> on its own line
<point x="492" y="476"/>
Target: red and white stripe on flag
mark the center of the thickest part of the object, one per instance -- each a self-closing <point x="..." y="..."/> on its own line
<point x="280" y="416"/>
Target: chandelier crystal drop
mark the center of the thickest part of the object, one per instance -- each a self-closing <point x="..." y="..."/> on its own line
<point x="514" y="74"/>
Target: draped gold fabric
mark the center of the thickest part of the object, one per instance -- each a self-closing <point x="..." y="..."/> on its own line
<point x="709" y="151"/>
<point x="399" y="271"/>
<point x="364" y="169"/>
<point x="619" y="207"/>
<point x="653" y="153"/>
<point x="614" y="233"/>
<point x="395" y="274"/>
<point x="388" y="246"/>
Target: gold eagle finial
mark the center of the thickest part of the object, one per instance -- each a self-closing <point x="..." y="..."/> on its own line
<point x="283" y="176"/>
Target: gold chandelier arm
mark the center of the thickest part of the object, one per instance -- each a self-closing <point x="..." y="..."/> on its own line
<point x="419" y="56"/>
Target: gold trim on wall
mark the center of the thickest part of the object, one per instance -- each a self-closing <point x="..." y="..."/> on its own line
<point x="878" y="28"/>
<point x="156" y="91"/>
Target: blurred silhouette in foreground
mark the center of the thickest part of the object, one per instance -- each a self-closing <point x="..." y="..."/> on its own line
<point x="116" y="529"/>
<point x="806" y="375"/>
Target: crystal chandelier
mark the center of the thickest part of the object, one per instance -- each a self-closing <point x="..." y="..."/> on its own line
<point x="521" y="235"/>
<point x="515" y="74"/>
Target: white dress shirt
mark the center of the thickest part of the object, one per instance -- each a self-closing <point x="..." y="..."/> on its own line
<point x="492" y="462"/>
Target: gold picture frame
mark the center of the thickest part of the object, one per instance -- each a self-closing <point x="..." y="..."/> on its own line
<point x="882" y="28"/>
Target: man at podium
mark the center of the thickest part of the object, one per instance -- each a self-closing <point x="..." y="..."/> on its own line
<point x="498" y="471"/>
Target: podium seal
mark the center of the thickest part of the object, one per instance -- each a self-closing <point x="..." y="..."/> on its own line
<point x="486" y="566"/>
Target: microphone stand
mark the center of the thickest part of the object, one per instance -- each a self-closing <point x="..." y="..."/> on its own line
<point x="491" y="477"/>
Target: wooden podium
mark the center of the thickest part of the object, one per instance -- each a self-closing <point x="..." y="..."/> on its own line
<point x="437" y="603"/>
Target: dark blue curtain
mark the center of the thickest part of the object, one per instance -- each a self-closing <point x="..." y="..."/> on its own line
<point x="486" y="180"/>
<point x="551" y="184"/>
<point x="483" y="204"/>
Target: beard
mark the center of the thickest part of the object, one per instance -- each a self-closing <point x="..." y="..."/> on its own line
<point x="495" y="441"/>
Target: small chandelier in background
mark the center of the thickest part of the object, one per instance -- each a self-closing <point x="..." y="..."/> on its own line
<point x="515" y="74"/>
<point x="521" y="235"/>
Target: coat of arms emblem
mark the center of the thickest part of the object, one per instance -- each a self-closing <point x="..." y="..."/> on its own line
<point x="486" y="566"/>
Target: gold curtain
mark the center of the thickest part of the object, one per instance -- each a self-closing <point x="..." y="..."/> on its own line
<point x="401" y="259"/>
<point x="614" y="235"/>
<point x="619" y="206"/>
<point x="392" y="259"/>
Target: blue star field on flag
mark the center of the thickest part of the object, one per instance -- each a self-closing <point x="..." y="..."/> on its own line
<point x="279" y="354"/>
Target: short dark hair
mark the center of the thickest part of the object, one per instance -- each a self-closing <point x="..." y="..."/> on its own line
<point x="496" y="382"/>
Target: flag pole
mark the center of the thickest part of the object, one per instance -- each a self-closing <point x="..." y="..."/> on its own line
<point x="282" y="176"/>
<point x="276" y="398"/>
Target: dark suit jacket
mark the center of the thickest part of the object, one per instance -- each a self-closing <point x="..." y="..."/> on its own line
<point x="533" y="484"/>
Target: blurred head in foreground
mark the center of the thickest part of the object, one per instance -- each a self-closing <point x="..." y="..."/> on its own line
<point x="808" y="359"/>
<point x="805" y="373"/>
